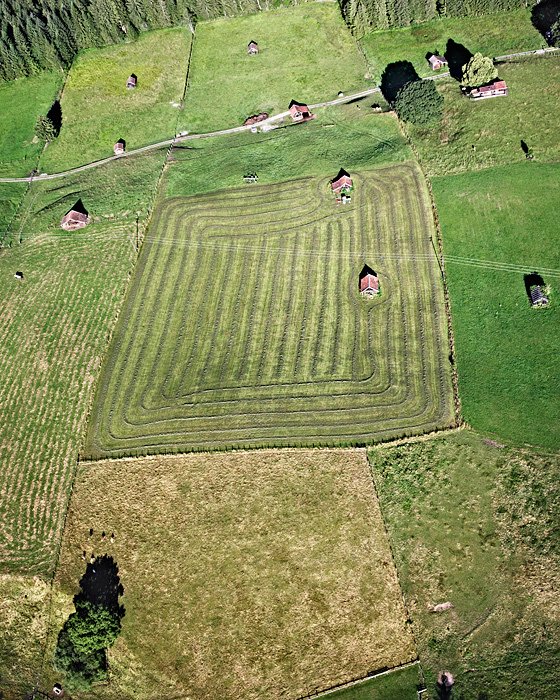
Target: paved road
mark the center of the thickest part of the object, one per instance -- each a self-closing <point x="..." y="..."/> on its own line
<point x="180" y="138"/>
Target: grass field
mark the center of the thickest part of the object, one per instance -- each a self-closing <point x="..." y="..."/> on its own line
<point x="306" y="53"/>
<point x="212" y="352"/>
<point x="492" y="35"/>
<point x="507" y="352"/>
<point x="350" y="135"/>
<point x="54" y="330"/>
<point x="400" y="685"/>
<point x="21" y="102"/>
<point x="119" y="192"/>
<point x="247" y="575"/>
<point x="98" y="110"/>
<point x="11" y="195"/>
<point x="496" y="127"/>
<point x="477" y="526"/>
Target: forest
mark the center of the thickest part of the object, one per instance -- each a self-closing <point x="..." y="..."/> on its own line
<point x="42" y="34"/>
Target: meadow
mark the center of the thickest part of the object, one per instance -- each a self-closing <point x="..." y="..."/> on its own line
<point x="21" y="102"/>
<point x="492" y="35"/>
<point x="306" y="53"/>
<point x="247" y="575"/>
<point x="98" y="109"/>
<point x="211" y="352"/>
<point x="475" y="135"/>
<point x="11" y="196"/>
<point x="507" y="355"/>
<point x="350" y="135"/>
<point x="475" y="525"/>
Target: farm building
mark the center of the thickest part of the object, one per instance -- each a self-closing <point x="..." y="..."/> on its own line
<point x="342" y="182"/>
<point x="19" y="275"/>
<point x="252" y="48"/>
<point x="131" y="81"/>
<point x="255" y="119"/>
<point x="495" y="89"/>
<point x="74" y="220"/>
<point x="437" y="62"/>
<point x="538" y="296"/>
<point x="300" y="112"/>
<point x="368" y="282"/>
<point x="118" y="148"/>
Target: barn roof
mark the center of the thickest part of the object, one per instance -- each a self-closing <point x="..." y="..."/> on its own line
<point x="496" y="85"/>
<point x="435" y="58"/>
<point x="295" y="108"/>
<point x="342" y="181"/>
<point x="74" y="215"/>
<point x="369" y="282"/>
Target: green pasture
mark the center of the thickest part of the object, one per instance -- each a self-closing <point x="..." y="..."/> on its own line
<point x="98" y="110"/>
<point x="11" y="195"/>
<point x="492" y="35"/>
<point x="121" y="191"/>
<point x="350" y="136"/>
<point x="238" y="581"/>
<point x="306" y="53"/>
<point x="498" y="225"/>
<point x="399" y="685"/>
<point x="475" y="135"/>
<point x="475" y="524"/>
<point x="243" y="325"/>
<point x="21" y="102"/>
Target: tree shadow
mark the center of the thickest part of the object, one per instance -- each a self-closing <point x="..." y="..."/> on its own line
<point x="55" y="116"/>
<point x="456" y="55"/>
<point x="544" y="16"/>
<point x="101" y="585"/>
<point x="396" y="76"/>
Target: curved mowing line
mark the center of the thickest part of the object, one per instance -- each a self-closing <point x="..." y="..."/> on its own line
<point x="218" y="346"/>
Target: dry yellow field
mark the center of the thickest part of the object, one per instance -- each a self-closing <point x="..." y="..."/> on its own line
<point x="261" y="574"/>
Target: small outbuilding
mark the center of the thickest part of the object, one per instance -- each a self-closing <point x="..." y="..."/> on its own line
<point x="436" y="61"/>
<point x="300" y="112"/>
<point x="252" y="48"/>
<point x="497" y="88"/>
<point x="74" y="220"/>
<point x="538" y="296"/>
<point x="342" y="184"/>
<point x="19" y="275"/>
<point x="119" y="147"/>
<point x="131" y="81"/>
<point x="368" y="282"/>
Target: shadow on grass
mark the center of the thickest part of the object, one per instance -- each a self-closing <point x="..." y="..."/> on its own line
<point x="396" y="76"/>
<point x="456" y="55"/>
<point x="545" y="17"/>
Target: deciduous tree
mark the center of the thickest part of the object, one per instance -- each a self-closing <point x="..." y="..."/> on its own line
<point x="479" y="71"/>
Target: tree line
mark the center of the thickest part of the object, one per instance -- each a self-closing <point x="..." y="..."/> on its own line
<point x="41" y="34"/>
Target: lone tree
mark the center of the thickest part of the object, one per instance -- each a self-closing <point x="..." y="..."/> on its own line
<point x="419" y="102"/>
<point x="479" y="71"/>
<point x="45" y="129"/>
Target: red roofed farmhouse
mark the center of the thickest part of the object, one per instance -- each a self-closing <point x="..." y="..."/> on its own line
<point x="495" y="89"/>
<point x="342" y="182"/>
<point x="369" y="282"/>
<point x="436" y="62"/>
<point x="300" y="112"/>
<point x="74" y="220"/>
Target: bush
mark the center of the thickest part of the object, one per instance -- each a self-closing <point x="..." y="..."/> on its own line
<point x="419" y="102"/>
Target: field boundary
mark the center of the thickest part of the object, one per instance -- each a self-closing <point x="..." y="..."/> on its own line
<point x="350" y="684"/>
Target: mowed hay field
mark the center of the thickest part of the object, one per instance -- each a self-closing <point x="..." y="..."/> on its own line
<point x="480" y="134"/>
<point x="498" y="226"/>
<point x="21" y="102"/>
<point x="243" y="325"/>
<point x="246" y="575"/>
<point x="476" y="525"/>
<point x="54" y="328"/>
<point x="98" y="109"/>
<point x="306" y="53"/>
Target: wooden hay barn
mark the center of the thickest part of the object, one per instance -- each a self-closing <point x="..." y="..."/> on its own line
<point x="131" y="81"/>
<point x="300" y="112"/>
<point x="437" y="62"/>
<point x="252" y="48"/>
<point x="368" y="282"/>
<point x="342" y="183"/>
<point x="496" y="89"/>
<point x="118" y="148"/>
<point x="74" y="220"/>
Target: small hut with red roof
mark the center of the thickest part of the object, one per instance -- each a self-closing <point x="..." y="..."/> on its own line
<point x="342" y="182"/>
<point x="300" y="112"/>
<point x="368" y="282"/>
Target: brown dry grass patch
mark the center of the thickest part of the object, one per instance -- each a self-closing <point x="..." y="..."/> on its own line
<point x="246" y="575"/>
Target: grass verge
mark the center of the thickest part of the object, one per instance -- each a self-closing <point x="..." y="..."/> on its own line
<point x="507" y="355"/>
<point x="398" y="685"/>
<point x="245" y="575"/>
<point x="476" y="526"/>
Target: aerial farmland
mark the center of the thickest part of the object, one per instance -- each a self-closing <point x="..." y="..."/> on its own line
<point x="280" y="386"/>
